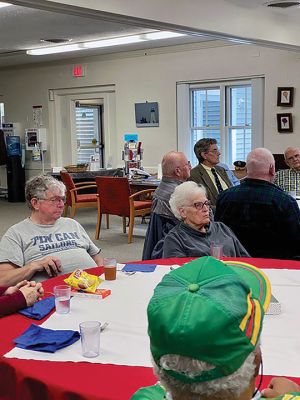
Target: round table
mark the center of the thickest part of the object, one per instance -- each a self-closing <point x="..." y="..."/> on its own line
<point x="42" y="380"/>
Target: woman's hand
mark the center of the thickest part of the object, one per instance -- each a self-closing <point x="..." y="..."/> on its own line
<point x="13" y="289"/>
<point x="32" y="292"/>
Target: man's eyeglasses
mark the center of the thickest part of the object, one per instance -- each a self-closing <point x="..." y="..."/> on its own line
<point x="56" y="200"/>
<point x="200" y="204"/>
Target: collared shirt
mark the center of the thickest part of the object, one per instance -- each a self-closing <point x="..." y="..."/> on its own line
<point x="162" y="196"/>
<point x="223" y="183"/>
<point x="234" y="180"/>
<point x="288" y="180"/>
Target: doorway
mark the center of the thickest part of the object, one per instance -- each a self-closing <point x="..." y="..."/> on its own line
<point x="89" y="128"/>
<point x="94" y="104"/>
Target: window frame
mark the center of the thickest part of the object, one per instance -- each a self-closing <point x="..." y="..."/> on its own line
<point x="184" y="112"/>
<point x="225" y="113"/>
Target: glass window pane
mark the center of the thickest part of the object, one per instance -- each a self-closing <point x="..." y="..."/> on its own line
<point x="213" y="107"/>
<point x="198" y="107"/>
<point x="87" y="128"/>
<point x="240" y="105"/>
<point x="205" y="107"/>
<point x="240" y="144"/>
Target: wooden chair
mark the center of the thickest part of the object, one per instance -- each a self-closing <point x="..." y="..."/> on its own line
<point x="114" y="198"/>
<point x="74" y="199"/>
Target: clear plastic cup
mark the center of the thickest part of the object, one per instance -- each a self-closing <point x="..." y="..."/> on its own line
<point x="216" y="250"/>
<point x="62" y="295"/>
<point x="110" y="269"/>
<point x="90" y="338"/>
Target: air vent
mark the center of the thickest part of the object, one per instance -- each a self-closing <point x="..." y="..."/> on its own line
<point x="283" y="4"/>
<point x="56" y="41"/>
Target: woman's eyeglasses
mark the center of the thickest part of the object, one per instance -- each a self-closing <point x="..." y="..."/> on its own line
<point x="200" y="204"/>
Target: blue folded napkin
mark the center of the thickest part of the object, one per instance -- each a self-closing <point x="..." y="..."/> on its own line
<point x="39" y="309"/>
<point x="47" y="340"/>
<point x="139" y="267"/>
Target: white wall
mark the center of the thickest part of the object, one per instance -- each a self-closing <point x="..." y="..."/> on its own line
<point x="152" y="77"/>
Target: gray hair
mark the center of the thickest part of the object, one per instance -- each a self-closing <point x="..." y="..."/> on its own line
<point x="182" y="195"/>
<point x="37" y="186"/>
<point x="202" y="146"/>
<point x="171" y="161"/>
<point x="228" y="387"/>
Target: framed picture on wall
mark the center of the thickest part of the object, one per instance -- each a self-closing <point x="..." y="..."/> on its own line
<point x="285" y="96"/>
<point x="146" y="114"/>
<point x="285" y="123"/>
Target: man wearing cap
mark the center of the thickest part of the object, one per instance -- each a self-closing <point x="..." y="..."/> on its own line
<point x="203" y="345"/>
<point x="207" y="172"/>
<point x="264" y="218"/>
<point x="240" y="170"/>
<point x="289" y="179"/>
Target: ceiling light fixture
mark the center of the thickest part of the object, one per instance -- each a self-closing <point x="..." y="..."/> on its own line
<point x="54" y="49"/>
<point x="95" y="44"/>
<point x="162" y="35"/>
<point x="2" y="4"/>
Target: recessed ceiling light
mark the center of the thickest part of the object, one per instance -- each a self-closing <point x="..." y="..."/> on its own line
<point x="54" y="49"/>
<point x="113" y="42"/>
<point x="93" y="44"/>
<point x="162" y="35"/>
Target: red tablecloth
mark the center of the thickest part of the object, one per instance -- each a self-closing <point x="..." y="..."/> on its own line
<point x="43" y="380"/>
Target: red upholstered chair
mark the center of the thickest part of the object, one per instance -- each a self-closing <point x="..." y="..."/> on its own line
<point x="114" y="198"/>
<point x="76" y="200"/>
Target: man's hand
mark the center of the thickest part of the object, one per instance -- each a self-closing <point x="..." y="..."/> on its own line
<point x="32" y="292"/>
<point x="280" y="386"/>
<point x="50" y="264"/>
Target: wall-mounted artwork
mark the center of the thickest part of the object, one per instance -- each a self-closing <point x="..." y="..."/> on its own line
<point x="146" y="114"/>
<point x="285" y="123"/>
<point x="285" y="96"/>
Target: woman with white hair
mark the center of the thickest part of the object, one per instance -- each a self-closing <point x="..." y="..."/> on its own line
<point x="193" y="236"/>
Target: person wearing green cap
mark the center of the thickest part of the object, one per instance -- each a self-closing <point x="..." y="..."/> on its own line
<point x="204" y="324"/>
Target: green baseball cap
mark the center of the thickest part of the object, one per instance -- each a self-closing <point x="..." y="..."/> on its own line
<point x="211" y="311"/>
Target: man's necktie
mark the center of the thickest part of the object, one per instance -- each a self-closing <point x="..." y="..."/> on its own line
<point x="218" y="183"/>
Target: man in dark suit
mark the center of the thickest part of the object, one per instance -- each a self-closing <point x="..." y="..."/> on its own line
<point x="207" y="173"/>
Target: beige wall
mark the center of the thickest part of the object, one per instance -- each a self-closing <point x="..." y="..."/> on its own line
<point x="140" y="77"/>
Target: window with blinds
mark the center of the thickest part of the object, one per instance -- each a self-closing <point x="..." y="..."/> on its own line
<point x="88" y="127"/>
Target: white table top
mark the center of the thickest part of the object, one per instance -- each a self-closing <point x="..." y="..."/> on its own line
<point x="125" y="340"/>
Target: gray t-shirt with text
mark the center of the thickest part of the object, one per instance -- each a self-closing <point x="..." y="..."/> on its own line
<point x="66" y="239"/>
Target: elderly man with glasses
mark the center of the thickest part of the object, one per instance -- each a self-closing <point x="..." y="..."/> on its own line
<point x="207" y="173"/>
<point x="289" y="179"/>
<point x="45" y="244"/>
<point x="194" y="235"/>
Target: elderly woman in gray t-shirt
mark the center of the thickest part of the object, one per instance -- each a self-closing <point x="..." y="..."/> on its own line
<point x="193" y="236"/>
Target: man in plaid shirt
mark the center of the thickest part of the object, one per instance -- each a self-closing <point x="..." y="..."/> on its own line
<point x="265" y="219"/>
<point x="289" y="179"/>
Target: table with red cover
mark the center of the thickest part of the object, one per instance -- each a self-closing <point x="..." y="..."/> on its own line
<point x="43" y="380"/>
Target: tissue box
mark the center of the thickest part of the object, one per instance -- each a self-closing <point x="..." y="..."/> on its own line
<point x="98" y="294"/>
